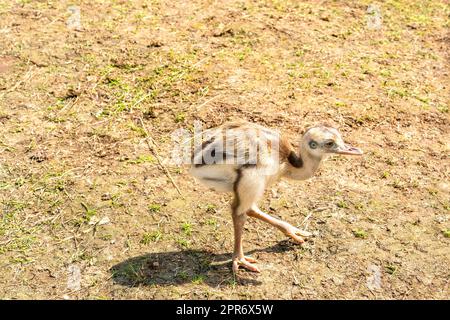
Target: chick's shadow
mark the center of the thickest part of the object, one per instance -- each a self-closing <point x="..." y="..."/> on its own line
<point x="186" y="266"/>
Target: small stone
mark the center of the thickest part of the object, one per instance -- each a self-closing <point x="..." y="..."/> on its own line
<point x="155" y="44"/>
<point x="106" y="197"/>
<point x="338" y="280"/>
<point x="444" y="187"/>
<point x="441" y="219"/>
<point x="104" y="220"/>
<point x="92" y="221"/>
<point x="39" y="156"/>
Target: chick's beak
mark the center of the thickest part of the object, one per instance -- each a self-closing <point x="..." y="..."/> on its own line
<point x="349" y="150"/>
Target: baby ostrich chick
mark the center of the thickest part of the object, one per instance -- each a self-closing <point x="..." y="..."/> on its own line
<point x="246" y="158"/>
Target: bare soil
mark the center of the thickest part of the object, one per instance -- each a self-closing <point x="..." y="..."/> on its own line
<point x="87" y="212"/>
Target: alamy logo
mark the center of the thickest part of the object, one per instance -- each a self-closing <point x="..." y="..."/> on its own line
<point x="74" y="20"/>
<point x="237" y="146"/>
<point x="374" y="18"/>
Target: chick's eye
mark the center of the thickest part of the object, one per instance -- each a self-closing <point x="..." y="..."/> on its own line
<point x="313" y="144"/>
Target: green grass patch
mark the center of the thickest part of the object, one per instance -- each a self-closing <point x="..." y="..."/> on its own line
<point x="143" y="159"/>
<point x="358" y="233"/>
<point x="187" y="228"/>
<point x="89" y="212"/>
<point x="154" y="207"/>
<point x="151" y="237"/>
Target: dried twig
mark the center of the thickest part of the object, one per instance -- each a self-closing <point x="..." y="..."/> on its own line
<point x="26" y="78"/>
<point x="306" y="219"/>
<point x="141" y="99"/>
<point x="148" y="138"/>
<point x="68" y="107"/>
<point x="206" y="102"/>
<point x="310" y="214"/>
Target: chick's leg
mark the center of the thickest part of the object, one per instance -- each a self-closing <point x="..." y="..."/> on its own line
<point x="239" y="260"/>
<point x="294" y="233"/>
<point x="248" y="188"/>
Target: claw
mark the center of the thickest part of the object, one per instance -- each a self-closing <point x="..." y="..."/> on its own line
<point x="303" y="233"/>
<point x="246" y="263"/>
<point x="250" y="259"/>
<point x="296" y="238"/>
<point x="296" y="234"/>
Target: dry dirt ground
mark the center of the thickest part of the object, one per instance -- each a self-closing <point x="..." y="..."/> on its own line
<point x="87" y="212"/>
